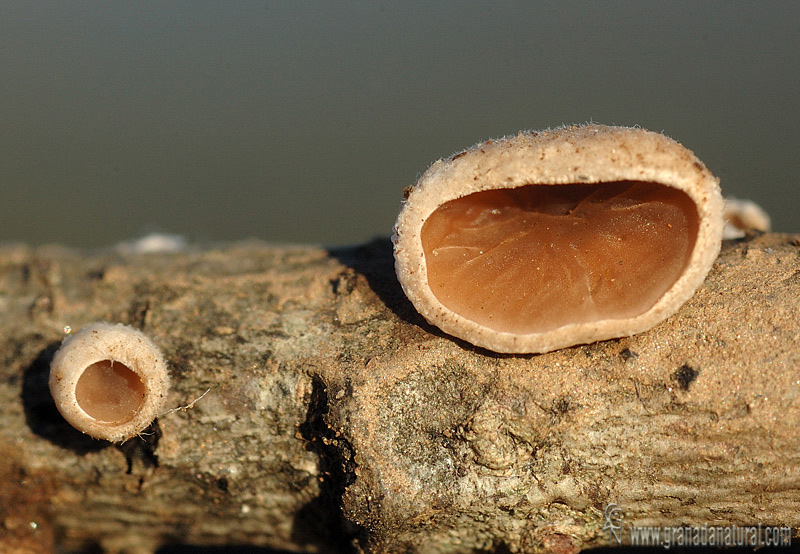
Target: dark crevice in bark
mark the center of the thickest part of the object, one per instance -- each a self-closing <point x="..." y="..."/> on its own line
<point x="321" y="521"/>
<point x="142" y="448"/>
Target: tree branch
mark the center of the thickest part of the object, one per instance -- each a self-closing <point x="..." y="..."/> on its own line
<point x="337" y="420"/>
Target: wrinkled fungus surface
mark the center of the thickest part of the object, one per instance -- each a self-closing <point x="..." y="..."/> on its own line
<point x="110" y="391"/>
<point x="537" y="257"/>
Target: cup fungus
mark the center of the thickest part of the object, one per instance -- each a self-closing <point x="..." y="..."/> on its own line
<point x="549" y="239"/>
<point x="109" y="381"/>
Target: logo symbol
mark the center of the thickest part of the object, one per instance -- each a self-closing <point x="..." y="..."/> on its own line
<point x="613" y="524"/>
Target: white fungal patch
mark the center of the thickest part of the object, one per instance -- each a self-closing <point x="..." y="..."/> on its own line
<point x="109" y="381"/>
<point x="154" y="243"/>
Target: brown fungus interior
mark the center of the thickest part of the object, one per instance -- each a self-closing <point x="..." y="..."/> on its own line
<point x="109" y="391"/>
<point x="538" y="257"/>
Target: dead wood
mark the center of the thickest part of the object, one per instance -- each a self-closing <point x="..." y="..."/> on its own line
<point x="337" y="420"/>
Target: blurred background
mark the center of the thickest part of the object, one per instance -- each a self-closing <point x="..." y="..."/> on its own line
<point x="302" y="122"/>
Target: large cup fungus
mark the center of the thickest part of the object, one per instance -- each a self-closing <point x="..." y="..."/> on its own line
<point x="549" y="239"/>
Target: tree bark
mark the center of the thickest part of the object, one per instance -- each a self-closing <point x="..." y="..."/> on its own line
<point x="337" y="420"/>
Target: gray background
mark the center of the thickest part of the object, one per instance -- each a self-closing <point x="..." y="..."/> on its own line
<point x="301" y="122"/>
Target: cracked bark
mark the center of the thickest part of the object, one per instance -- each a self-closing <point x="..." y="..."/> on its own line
<point x="337" y="420"/>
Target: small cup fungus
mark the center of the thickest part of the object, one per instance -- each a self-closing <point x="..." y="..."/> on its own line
<point x="109" y="381"/>
<point x="549" y="239"/>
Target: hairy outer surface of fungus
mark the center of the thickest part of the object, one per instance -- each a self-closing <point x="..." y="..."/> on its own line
<point x="109" y="381"/>
<point x="550" y="239"/>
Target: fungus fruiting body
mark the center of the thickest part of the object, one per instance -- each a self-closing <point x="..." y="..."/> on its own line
<point x="742" y="216"/>
<point x="109" y="381"/>
<point x="549" y="239"/>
